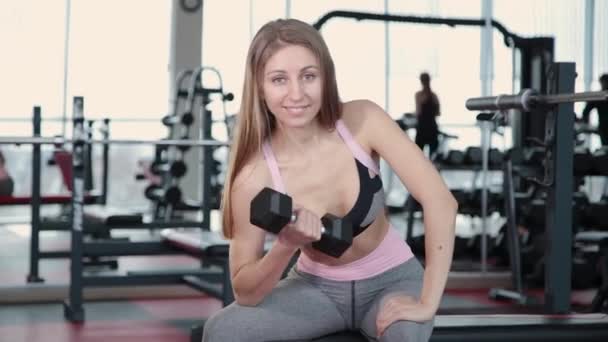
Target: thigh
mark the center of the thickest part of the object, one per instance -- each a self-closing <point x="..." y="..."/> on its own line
<point x="400" y="330"/>
<point x="294" y="310"/>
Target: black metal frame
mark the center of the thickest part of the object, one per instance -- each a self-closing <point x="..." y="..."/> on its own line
<point x="517" y="293"/>
<point x="508" y="35"/>
<point x="558" y="181"/>
<point x="208" y="278"/>
<point x="34" y="275"/>
<point x="35" y="254"/>
<point x="559" y="171"/>
<point x="536" y="54"/>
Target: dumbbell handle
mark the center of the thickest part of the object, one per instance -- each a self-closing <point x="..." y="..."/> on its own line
<point x="294" y="218"/>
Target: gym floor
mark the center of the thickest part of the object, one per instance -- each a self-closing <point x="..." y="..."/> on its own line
<point x="34" y="312"/>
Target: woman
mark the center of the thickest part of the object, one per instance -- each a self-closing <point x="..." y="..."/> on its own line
<point x="294" y="135"/>
<point x="6" y="181"/>
<point x="427" y="109"/>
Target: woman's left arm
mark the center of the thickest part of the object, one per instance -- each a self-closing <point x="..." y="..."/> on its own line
<point x="425" y="184"/>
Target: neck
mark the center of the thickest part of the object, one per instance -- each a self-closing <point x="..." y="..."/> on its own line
<point x="298" y="141"/>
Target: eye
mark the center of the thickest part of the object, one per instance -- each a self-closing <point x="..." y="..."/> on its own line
<point x="309" y="77"/>
<point x="278" y="80"/>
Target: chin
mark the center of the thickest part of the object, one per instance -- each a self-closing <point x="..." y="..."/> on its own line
<point x="298" y="121"/>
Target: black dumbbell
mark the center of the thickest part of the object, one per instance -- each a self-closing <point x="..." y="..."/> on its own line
<point x="495" y="157"/>
<point x="272" y="210"/>
<point x="454" y="157"/>
<point x="472" y="155"/>
<point x="176" y="168"/>
<point x="172" y="195"/>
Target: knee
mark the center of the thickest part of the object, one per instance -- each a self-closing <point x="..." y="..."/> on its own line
<point x="213" y="329"/>
<point x="220" y="327"/>
<point x="232" y="323"/>
<point x="408" y="331"/>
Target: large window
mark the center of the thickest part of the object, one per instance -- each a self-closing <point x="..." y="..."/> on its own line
<point x="546" y="18"/>
<point x="600" y="55"/>
<point x="120" y="65"/>
<point x="119" y="54"/>
<point x="32" y="34"/>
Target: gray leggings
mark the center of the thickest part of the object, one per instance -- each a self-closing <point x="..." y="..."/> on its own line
<point x="303" y="307"/>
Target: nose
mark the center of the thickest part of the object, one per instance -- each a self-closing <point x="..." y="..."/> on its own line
<point x="296" y="90"/>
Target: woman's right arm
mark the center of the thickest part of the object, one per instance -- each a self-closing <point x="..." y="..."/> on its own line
<point x="254" y="274"/>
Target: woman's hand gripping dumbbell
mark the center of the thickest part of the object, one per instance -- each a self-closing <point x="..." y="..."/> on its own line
<point x="272" y="211"/>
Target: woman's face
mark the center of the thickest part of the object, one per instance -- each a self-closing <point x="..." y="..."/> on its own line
<point x="292" y="85"/>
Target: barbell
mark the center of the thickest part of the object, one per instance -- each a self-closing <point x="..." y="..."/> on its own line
<point x="529" y="99"/>
<point x="61" y="140"/>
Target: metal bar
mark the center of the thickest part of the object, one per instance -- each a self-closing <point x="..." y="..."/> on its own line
<point x="558" y="171"/>
<point x="529" y="99"/>
<point x="148" y="279"/>
<point x="207" y="160"/>
<point x="486" y="140"/>
<point x="511" y="233"/>
<point x="88" y="158"/>
<point x="128" y="248"/>
<point x="34" y="275"/>
<point x="109" y="249"/>
<point x="125" y="119"/>
<point x="588" y="43"/>
<point x="74" y="310"/>
<point x="54" y="254"/>
<point x="575" y="97"/>
<point x="215" y="290"/>
<point x="89" y="226"/>
<point x="25" y="119"/>
<point x="106" y="160"/>
<point x="213" y="273"/>
<point x="59" y="140"/>
<point x="512" y="237"/>
<point x="452" y="22"/>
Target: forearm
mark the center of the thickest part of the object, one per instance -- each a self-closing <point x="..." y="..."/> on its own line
<point x="254" y="281"/>
<point x="439" y="223"/>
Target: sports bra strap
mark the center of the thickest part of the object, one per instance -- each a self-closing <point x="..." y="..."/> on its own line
<point x="271" y="161"/>
<point x="355" y="148"/>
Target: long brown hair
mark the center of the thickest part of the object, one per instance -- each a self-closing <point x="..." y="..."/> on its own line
<point x="255" y="123"/>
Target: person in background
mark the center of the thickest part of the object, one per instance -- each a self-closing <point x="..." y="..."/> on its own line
<point x="427" y="109"/>
<point x="602" y="112"/>
<point x="6" y="182"/>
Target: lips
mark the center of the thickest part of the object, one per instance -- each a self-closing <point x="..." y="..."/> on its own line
<point x="296" y="109"/>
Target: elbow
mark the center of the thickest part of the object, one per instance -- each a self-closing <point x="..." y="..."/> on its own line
<point x="451" y="207"/>
<point x="246" y="300"/>
<point x="444" y="206"/>
<point x="246" y="296"/>
<point x="445" y="203"/>
<point x="452" y="204"/>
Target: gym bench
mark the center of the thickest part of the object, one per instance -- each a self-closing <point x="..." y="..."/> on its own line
<point x="474" y="328"/>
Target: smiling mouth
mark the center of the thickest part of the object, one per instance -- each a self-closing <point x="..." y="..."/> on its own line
<point x="296" y="109"/>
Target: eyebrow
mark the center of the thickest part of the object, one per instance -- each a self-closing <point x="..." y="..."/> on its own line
<point x="283" y="71"/>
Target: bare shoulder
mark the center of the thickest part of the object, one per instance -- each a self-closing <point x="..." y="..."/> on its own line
<point x="251" y="178"/>
<point x="362" y="118"/>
